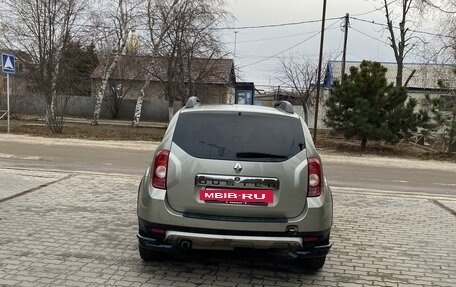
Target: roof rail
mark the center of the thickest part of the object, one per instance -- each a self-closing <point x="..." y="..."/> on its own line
<point x="284" y="106"/>
<point x="192" y="102"/>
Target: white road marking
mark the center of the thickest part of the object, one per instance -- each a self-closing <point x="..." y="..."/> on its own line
<point x="385" y="180"/>
<point x="30" y="157"/>
<point x="445" y="184"/>
<point x="370" y="191"/>
<point x="4" y="155"/>
<point x="400" y="181"/>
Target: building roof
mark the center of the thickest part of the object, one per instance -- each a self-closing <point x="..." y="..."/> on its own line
<point x="425" y="77"/>
<point x="133" y="67"/>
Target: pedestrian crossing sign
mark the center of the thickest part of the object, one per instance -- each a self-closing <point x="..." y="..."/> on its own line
<point x="8" y="64"/>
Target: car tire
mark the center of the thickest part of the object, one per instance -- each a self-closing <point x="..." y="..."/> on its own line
<point x="148" y="255"/>
<point x="312" y="264"/>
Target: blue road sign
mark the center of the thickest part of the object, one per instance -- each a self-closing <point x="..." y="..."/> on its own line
<point x="8" y="64"/>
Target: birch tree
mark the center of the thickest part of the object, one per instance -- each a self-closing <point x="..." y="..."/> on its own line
<point x="122" y="21"/>
<point x="159" y="16"/>
<point x="42" y="29"/>
<point x="180" y="30"/>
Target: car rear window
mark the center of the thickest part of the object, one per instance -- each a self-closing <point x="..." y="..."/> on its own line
<point x="239" y="136"/>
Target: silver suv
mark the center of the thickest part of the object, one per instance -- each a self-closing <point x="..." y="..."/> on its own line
<point x="236" y="176"/>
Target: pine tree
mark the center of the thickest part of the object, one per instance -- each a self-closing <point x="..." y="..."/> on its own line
<point x="78" y="63"/>
<point x="364" y="106"/>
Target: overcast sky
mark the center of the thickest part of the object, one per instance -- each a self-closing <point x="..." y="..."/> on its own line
<point x="258" y="50"/>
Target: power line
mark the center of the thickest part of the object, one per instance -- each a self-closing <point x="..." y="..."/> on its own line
<point x="275" y="38"/>
<point x="278" y="54"/>
<point x="380" y="41"/>
<point x="374" y="10"/>
<point x="411" y="30"/>
<point x="275" y="25"/>
<point x="271" y="38"/>
<point x="365" y="13"/>
<point x="367" y="35"/>
<point x="286" y="50"/>
<point x="311" y="56"/>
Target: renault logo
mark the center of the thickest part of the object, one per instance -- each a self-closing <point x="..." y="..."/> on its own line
<point x="237" y="167"/>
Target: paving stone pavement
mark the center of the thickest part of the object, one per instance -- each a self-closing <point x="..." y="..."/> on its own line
<point x="80" y="231"/>
<point x="449" y="204"/>
<point x="16" y="181"/>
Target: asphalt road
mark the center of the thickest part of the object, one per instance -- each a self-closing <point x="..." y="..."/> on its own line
<point x="75" y="158"/>
<point x="362" y="176"/>
<point x="371" y="178"/>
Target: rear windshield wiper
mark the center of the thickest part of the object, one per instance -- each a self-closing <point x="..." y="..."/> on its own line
<point x="258" y="155"/>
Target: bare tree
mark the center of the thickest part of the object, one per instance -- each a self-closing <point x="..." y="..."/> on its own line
<point x="399" y="43"/>
<point x="447" y="7"/>
<point x="159" y="16"/>
<point x="121" y="22"/>
<point x="116" y="93"/>
<point x="440" y="51"/>
<point x="301" y="74"/>
<point x="446" y="38"/>
<point x="203" y="54"/>
<point x="42" y="29"/>
<point x="180" y="31"/>
<point x="443" y="109"/>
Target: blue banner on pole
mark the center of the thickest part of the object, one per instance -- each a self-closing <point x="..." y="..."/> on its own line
<point x="329" y="76"/>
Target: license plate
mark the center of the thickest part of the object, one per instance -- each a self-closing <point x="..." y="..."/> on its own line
<point x="237" y="195"/>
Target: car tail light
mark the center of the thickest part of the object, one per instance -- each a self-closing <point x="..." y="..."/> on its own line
<point x="314" y="184"/>
<point x="160" y="169"/>
<point x="158" y="230"/>
<point x="308" y="239"/>
<point x="157" y="233"/>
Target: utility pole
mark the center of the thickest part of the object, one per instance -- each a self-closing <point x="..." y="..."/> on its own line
<point x="235" y="43"/>
<point x="278" y="93"/>
<point x="345" y="44"/>
<point x="317" y="101"/>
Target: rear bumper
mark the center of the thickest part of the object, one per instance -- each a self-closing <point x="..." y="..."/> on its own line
<point x="305" y="252"/>
<point x="314" y="251"/>
<point x="153" y="244"/>
<point x="176" y="239"/>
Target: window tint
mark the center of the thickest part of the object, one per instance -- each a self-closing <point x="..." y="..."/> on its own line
<point x="239" y="136"/>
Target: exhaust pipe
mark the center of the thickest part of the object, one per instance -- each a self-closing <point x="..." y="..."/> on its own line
<point x="186" y="244"/>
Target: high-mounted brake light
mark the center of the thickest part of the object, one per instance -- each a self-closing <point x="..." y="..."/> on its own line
<point x="160" y="169"/>
<point x="314" y="184"/>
